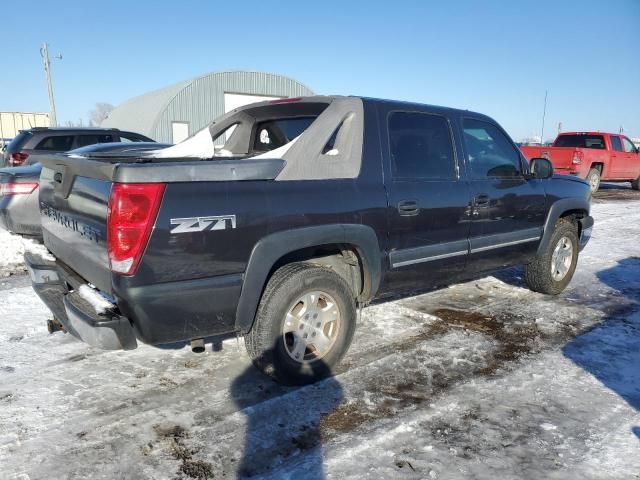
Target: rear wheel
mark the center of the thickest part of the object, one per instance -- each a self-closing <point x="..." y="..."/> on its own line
<point x="551" y="271"/>
<point x="593" y="177"/>
<point x="304" y="324"/>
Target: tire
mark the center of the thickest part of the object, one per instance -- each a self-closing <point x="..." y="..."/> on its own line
<point x="549" y="273"/>
<point x="593" y="177"/>
<point x="635" y="184"/>
<point x="296" y="290"/>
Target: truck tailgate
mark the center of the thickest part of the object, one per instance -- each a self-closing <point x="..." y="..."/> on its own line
<point x="560" y="157"/>
<point x="74" y="214"/>
<point x="75" y="191"/>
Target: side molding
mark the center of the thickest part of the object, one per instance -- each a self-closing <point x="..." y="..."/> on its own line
<point x="557" y="209"/>
<point x="271" y="248"/>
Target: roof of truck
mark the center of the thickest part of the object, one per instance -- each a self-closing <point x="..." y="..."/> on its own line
<point x="587" y="133"/>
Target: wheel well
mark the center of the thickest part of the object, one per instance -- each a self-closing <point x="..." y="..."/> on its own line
<point x="598" y="166"/>
<point x="343" y="259"/>
<point x="573" y="216"/>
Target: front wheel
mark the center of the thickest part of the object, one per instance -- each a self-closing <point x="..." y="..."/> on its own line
<point x="551" y="271"/>
<point x="304" y="324"/>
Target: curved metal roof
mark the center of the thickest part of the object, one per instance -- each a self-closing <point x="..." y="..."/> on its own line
<point x="139" y="113"/>
<point x="197" y="101"/>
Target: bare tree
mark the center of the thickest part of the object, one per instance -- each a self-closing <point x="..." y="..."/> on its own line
<point x="100" y="113"/>
<point x="72" y="124"/>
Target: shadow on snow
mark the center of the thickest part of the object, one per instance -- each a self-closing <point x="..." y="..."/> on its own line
<point x="610" y="350"/>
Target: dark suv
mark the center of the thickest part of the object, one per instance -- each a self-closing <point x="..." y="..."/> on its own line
<point x="27" y="147"/>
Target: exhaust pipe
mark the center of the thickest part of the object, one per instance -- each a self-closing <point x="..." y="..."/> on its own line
<point x="197" y="345"/>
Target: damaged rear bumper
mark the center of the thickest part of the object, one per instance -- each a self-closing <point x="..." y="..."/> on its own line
<point x="58" y="289"/>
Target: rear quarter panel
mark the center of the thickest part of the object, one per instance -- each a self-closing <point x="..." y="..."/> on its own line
<point x="260" y="208"/>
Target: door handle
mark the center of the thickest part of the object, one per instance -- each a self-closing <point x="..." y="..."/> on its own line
<point x="481" y="200"/>
<point x="408" y="208"/>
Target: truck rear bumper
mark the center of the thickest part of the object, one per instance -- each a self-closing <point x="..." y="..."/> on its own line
<point x="108" y="331"/>
<point x="154" y="314"/>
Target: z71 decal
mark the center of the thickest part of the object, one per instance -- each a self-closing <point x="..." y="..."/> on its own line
<point x="200" y="224"/>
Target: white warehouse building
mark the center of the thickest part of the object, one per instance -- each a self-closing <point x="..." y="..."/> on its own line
<point x="176" y="112"/>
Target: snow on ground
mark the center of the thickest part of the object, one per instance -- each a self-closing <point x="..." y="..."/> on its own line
<point x="480" y="380"/>
<point x="11" y="253"/>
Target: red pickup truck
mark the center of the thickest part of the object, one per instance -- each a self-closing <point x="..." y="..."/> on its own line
<point x="593" y="156"/>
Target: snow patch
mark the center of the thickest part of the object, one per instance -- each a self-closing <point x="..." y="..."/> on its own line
<point x="201" y="146"/>
<point x="37" y="248"/>
<point x="11" y="253"/>
<point x="198" y="146"/>
<point x="277" y="152"/>
<point x="98" y="301"/>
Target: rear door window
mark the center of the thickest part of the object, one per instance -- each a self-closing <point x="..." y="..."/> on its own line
<point x="420" y="146"/>
<point x="489" y="152"/>
<point x="59" y="143"/>
<point x="615" y="143"/>
<point x="84" y="140"/>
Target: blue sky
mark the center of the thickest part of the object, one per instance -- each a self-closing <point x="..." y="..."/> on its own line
<point x="496" y="57"/>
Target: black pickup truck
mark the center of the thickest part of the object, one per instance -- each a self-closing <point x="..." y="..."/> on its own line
<point x="311" y="208"/>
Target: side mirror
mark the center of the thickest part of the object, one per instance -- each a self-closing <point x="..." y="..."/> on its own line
<point x="541" y="168"/>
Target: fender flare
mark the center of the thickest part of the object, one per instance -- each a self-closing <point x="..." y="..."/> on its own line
<point x="271" y="248"/>
<point x="555" y="212"/>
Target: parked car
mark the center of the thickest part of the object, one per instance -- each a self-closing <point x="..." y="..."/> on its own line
<point x="19" y="211"/>
<point x="594" y="156"/>
<point x="320" y="205"/>
<point x="29" y="145"/>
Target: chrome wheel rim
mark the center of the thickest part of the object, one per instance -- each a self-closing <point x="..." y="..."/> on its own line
<point x="593" y="182"/>
<point x="561" y="259"/>
<point x="311" y="327"/>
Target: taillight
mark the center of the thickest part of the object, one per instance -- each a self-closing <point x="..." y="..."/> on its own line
<point x="17" y="188"/>
<point x="133" y="208"/>
<point x="577" y="157"/>
<point x="18" y="158"/>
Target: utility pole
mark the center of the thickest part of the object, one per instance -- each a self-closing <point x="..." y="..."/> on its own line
<point x="44" y="53"/>
<point x="544" y="112"/>
<point x="559" y="128"/>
